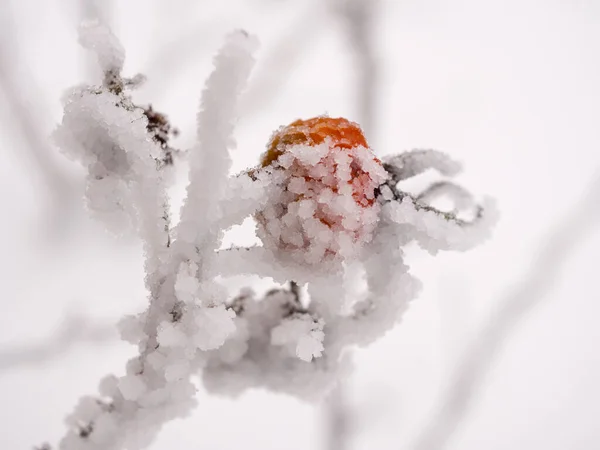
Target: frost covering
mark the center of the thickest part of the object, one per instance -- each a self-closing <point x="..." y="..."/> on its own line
<point x="326" y="210"/>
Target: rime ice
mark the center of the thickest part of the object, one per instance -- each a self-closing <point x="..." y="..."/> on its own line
<point x="325" y="205"/>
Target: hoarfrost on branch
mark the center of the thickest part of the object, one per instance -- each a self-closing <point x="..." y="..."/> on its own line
<point x="311" y="232"/>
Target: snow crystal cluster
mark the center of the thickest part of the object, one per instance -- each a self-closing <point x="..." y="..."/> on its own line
<point x="316" y="218"/>
<point x="326" y="210"/>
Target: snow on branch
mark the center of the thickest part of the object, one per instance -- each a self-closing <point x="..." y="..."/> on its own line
<point x="106" y="132"/>
<point x="101" y="40"/>
<point x="322" y="202"/>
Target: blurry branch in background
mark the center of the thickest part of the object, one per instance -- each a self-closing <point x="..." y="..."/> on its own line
<point x="92" y="10"/>
<point x="273" y="70"/>
<point x="275" y="67"/>
<point x="357" y="17"/>
<point x="472" y="370"/>
<point x="338" y="420"/>
<point x="171" y="59"/>
<point x="95" y="10"/>
<point x="279" y="63"/>
<point x="74" y="330"/>
<point x="21" y="93"/>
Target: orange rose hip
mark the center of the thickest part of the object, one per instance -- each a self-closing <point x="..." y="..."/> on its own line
<point x="326" y="208"/>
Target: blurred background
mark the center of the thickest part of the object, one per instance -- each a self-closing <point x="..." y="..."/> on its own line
<point x="501" y="348"/>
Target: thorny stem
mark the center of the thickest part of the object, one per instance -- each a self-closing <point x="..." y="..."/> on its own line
<point x="359" y="18"/>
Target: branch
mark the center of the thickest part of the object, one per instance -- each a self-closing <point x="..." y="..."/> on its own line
<point x="473" y="369"/>
<point x="186" y="315"/>
<point x="358" y="17"/>
<point x="390" y="192"/>
<point x="277" y="66"/>
<point x="22" y="108"/>
<point x="339" y="418"/>
<point x="74" y="330"/>
<point x="460" y="196"/>
<point x="412" y="163"/>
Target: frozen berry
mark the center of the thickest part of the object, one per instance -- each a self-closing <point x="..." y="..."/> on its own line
<point x="326" y="208"/>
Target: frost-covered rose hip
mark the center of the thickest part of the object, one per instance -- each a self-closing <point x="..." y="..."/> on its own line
<point x="326" y="207"/>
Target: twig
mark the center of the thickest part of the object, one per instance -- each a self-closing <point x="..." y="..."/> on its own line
<point x="473" y="369"/>
<point x="398" y="195"/>
<point x="358" y="16"/>
<point x="338" y="420"/>
<point x="74" y="330"/>
<point x="460" y="196"/>
<point x="56" y="181"/>
<point x="38" y="148"/>
<point x="281" y="60"/>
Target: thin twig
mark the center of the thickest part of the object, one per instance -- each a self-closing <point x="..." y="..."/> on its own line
<point x="19" y="90"/>
<point x="460" y="196"/>
<point x="276" y="67"/>
<point x="358" y="16"/>
<point x="74" y="330"/>
<point x="399" y="195"/>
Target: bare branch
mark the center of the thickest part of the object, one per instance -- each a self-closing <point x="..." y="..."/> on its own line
<point x="338" y="420"/>
<point x="414" y="162"/>
<point x="460" y="196"/>
<point x="390" y="192"/>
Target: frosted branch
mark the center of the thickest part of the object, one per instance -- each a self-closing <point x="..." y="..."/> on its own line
<point x="109" y="135"/>
<point x="412" y="163"/>
<point x="277" y="65"/>
<point x="245" y="195"/>
<point x="100" y="39"/>
<point x="321" y="201"/>
<point x="460" y="196"/>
